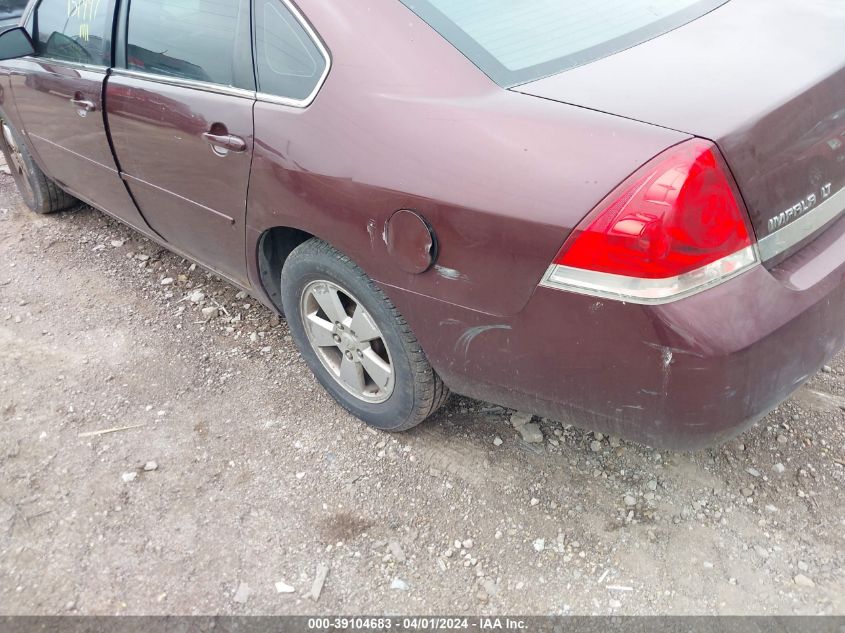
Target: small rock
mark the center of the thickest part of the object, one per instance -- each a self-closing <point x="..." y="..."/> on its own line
<point x="827" y="369"/>
<point x="241" y="296"/>
<point x="752" y="471"/>
<point x="166" y="281"/>
<point x="467" y="543"/>
<point x="399" y="585"/>
<point x="319" y="580"/>
<point x="598" y="436"/>
<point x="519" y="419"/>
<point x="630" y="500"/>
<point x="779" y="468"/>
<point x="534" y="501"/>
<point x="397" y="552"/>
<point x="595" y="446"/>
<point x="196" y="296"/>
<point x="539" y="544"/>
<point x="802" y="581"/>
<point x="782" y="439"/>
<point x="128" y="477"/>
<point x="531" y="433"/>
<point x="209" y="312"/>
<point x="803" y="566"/>
<point x="149" y="466"/>
<point x="242" y="594"/>
<point x="70" y="605"/>
<point x="283" y="587"/>
<point x="746" y="492"/>
<point x="117" y="243"/>
<point x="497" y="441"/>
<point x="707" y="564"/>
<point x="652" y="485"/>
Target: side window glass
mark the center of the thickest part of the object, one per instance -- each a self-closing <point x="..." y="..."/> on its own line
<point x="188" y="39"/>
<point x="287" y="61"/>
<point x="72" y="30"/>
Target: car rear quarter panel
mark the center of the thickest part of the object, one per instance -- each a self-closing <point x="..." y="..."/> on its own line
<point x="683" y="375"/>
<point x="405" y="121"/>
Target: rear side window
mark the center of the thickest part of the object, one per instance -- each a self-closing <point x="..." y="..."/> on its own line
<point x="187" y="39"/>
<point x="516" y="41"/>
<point x="72" y="30"/>
<point x="288" y="61"/>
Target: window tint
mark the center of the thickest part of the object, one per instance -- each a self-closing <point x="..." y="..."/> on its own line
<point x="288" y="62"/>
<point x="190" y="39"/>
<point x="518" y="41"/>
<point x="72" y="30"/>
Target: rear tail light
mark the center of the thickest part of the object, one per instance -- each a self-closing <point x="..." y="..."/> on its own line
<point x="674" y="227"/>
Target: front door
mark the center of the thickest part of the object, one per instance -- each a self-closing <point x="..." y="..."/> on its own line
<point x="180" y="116"/>
<point x="59" y="105"/>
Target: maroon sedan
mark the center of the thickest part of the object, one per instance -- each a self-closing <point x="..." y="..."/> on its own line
<point x="627" y="215"/>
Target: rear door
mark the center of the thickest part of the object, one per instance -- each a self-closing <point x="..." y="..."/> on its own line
<point x="59" y="106"/>
<point x="179" y="107"/>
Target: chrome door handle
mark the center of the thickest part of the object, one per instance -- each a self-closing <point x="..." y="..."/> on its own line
<point x="225" y="141"/>
<point x="83" y="105"/>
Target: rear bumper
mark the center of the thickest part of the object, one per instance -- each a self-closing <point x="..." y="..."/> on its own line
<point x="682" y="375"/>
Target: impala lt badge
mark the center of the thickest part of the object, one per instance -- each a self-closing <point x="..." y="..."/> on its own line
<point x="797" y="210"/>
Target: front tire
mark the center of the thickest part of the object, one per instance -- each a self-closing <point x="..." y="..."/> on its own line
<point x="355" y="341"/>
<point x="40" y="194"/>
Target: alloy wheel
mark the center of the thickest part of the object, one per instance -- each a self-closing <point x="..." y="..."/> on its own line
<point x="18" y="163"/>
<point x="347" y="341"/>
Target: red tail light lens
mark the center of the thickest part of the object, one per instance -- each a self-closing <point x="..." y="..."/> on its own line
<point x="678" y="214"/>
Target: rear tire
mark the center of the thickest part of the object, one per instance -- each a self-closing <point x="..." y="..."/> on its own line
<point x="355" y="341"/>
<point x="40" y="194"/>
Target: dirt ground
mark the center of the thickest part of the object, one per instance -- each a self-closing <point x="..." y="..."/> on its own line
<point x="240" y="472"/>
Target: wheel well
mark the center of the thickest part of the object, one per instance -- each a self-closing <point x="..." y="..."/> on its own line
<point x="273" y="249"/>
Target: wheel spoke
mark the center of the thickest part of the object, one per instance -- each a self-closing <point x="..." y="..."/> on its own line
<point x="329" y="301"/>
<point x="352" y="374"/>
<point x="321" y="331"/>
<point x="378" y="370"/>
<point x="363" y="325"/>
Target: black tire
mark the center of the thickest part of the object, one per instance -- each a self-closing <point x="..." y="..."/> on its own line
<point x="40" y="194"/>
<point x="417" y="390"/>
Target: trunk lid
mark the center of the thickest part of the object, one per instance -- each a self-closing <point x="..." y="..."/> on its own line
<point x="766" y="84"/>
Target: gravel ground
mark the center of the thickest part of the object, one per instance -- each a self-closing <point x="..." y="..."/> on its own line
<point x="234" y="471"/>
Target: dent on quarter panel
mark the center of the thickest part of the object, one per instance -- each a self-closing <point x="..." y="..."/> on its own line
<point x="501" y="177"/>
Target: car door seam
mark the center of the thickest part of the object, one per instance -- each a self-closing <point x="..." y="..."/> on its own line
<point x="120" y="173"/>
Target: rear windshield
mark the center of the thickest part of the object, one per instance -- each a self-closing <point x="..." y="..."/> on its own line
<point x="516" y="41"/>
